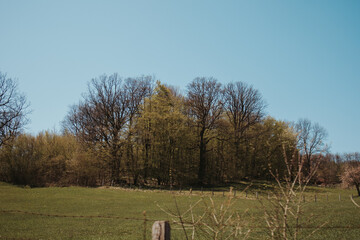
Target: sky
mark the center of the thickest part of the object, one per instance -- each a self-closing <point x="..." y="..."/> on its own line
<point x="303" y="56"/>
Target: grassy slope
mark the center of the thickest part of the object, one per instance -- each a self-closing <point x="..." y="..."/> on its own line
<point x="131" y="204"/>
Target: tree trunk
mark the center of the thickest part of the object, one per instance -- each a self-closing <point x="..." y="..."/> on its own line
<point x="308" y="165"/>
<point x="237" y="157"/>
<point x="116" y="170"/>
<point x="202" y="163"/>
<point x="146" y="161"/>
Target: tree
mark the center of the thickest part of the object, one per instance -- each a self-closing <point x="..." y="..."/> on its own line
<point x="101" y="119"/>
<point x="329" y="170"/>
<point x="21" y="160"/>
<point x="348" y="157"/>
<point x="311" y="139"/>
<point x="204" y="98"/>
<point x="13" y="109"/>
<point x="269" y="140"/>
<point x="138" y="89"/>
<point x="163" y="125"/>
<point x="351" y="175"/>
<point x="40" y="160"/>
<point x="244" y="108"/>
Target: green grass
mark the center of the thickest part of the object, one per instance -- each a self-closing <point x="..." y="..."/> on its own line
<point x="122" y="203"/>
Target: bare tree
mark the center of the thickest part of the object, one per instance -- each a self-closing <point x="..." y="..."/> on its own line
<point x="137" y="89"/>
<point x="13" y="109"/>
<point x="311" y="139"/>
<point x="244" y="107"/>
<point x="102" y="118"/>
<point x="204" y="98"/>
<point x="351" y="157"/>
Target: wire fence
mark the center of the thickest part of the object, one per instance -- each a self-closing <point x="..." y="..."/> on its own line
<point x="253" y="195"/>
<point x="74" y="216"/>
<point x="145" y="221"/>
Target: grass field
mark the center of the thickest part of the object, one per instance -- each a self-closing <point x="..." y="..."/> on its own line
<point x="72" y="212"/>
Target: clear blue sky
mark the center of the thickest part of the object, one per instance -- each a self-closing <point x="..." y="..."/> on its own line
<point x="303" y="56"/>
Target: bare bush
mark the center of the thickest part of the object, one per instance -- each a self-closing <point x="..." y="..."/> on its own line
<point x="284" y="212"/>
<point x="211" y="221"/>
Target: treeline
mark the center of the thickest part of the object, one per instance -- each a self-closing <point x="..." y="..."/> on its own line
<point x="138" y="131"/>
<point x="143" y="131"/>
<point x="50" y="159"/>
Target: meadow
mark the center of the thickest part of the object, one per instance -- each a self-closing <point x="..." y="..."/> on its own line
<point x="119" y="213"/>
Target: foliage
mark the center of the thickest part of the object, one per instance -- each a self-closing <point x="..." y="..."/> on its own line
<point x="47" y="159"/>
<point x="166" y="136"/>
<point x="329" y="171"/>
<point x="128" y="131"/>
<point x="351" y="175"/>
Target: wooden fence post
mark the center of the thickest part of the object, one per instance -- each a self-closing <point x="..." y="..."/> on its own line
<point x="161" y="230"/>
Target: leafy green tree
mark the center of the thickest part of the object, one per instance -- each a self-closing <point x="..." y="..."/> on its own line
<point x="166" y="126"/>
<point x="267" y="148"/>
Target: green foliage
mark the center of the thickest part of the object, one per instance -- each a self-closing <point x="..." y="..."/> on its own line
<point x="47" y="159"/>
<point x="166" y="137"/>
<point x="20" y="161"/>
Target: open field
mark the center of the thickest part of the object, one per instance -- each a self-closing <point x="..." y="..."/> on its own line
<point x="73" y="212"/>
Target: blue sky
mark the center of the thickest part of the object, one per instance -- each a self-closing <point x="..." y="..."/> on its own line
<point x="303" y="56"/>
